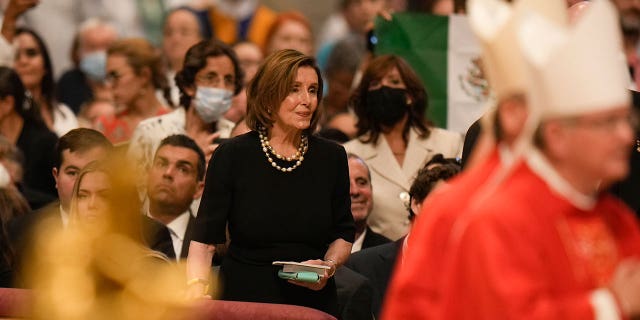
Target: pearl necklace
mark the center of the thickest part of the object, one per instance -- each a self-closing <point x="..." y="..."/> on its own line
<point x="268" y="150"/>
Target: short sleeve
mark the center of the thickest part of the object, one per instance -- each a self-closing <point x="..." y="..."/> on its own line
<point x="217" y="198"/>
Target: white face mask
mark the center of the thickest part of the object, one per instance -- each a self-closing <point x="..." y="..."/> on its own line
<point x="94" y="65"/>
<point x="212" y="103"/>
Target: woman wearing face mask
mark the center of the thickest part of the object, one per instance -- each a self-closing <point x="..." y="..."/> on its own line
<point x="210" y="77"/>
<point x="395" y="138"/>
<point x="134" y="73"/>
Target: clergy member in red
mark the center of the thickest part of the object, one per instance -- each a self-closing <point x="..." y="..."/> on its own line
<point x="426" y="250"/>
<point x="547" y="244"/>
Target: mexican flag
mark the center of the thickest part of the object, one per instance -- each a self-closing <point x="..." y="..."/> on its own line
<point x="445" y="54"/>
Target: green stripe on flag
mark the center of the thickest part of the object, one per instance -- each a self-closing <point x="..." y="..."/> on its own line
<point x="421" y="40"/>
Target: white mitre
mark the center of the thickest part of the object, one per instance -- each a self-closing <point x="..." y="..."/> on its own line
<point x="494" y="23"/>
<point x="575" y="70"/>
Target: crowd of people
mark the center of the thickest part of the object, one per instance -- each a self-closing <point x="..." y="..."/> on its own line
<point x="216" y="139"/>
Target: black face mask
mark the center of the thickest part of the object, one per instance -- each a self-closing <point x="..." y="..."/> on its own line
<point x="387" y="105"/>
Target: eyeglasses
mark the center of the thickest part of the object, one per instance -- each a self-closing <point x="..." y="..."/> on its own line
<point x="113" y="77"/>
<point x="28" y="52"/>
<point x="213" y="79"/>
<point x="607" y="123"/>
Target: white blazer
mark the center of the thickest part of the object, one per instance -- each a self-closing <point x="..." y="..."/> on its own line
<point x="391" y="182"/>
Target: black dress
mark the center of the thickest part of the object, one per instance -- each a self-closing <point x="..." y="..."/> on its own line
<point x="73" y="89"/>
<point x="38" y="145"/>
<point x="273" y="215"/>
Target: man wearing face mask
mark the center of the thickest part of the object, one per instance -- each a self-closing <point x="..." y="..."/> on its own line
<point x="85" y="82"/>
<point x="209" y="79"/>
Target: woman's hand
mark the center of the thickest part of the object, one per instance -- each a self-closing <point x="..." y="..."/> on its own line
<point x="198" y="269"/>
<point x="197" y="290"/>
<point x="14" y="10"/>
<point x="338" y="252"/>
<point x="323" y="278"/>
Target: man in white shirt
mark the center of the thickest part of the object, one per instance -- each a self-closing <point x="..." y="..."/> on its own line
<point x="176" y="178"/>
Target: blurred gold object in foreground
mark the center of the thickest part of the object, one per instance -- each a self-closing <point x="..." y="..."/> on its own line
<point x="91" y="273"/>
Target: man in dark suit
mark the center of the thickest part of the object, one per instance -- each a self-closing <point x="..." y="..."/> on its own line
<point x="356" y="297"/>
<point x="175" y="180"/>
<point x="74" y="151"/>
<point x="376" y="264"/>
<point x="362" y="204"/>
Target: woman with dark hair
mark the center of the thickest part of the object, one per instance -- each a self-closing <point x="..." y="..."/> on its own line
<point x="33" y="65"/>
<point x="283" y="193"/>
<point x="134" y="73"/>
<point x="22" y="125"/>
<point x="395" y="138"/>
<point x="436" y="171"/>
<point x="12" y="204"/>
<point x="209" y="78"/>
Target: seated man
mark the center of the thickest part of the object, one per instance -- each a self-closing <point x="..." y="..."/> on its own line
<point x="74" y="151"/>
<point x="377" y="263"/>
<point x="362" y="204"/>
<point x="175" y="180"/>
<point x="355" y="292"/>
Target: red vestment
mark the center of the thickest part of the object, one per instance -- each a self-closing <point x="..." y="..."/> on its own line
<point x="414" y="290"/>
<point x="530" y="253"/>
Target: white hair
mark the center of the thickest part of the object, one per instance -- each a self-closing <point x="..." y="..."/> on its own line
<point x="95" y="23"/>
